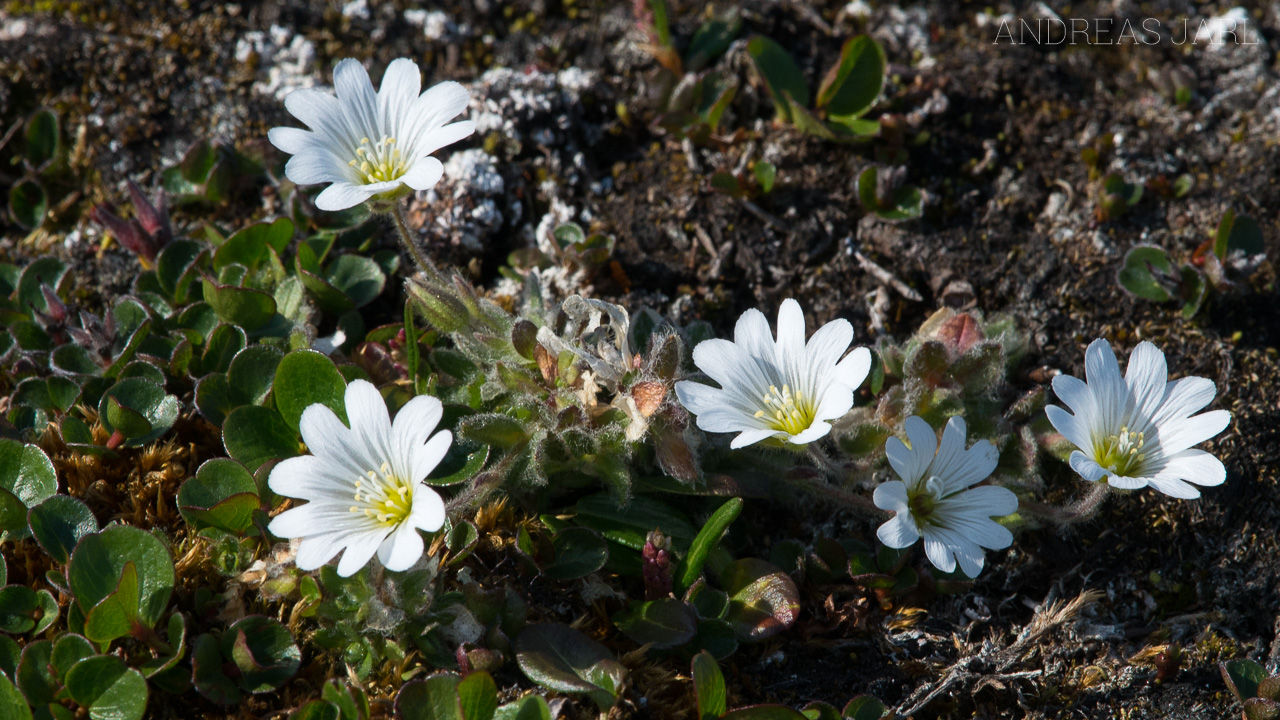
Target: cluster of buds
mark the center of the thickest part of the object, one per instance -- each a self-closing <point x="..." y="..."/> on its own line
<point x="655" y="565"/>
<point x="147" y="233"/>
<point x="384" y="361"/>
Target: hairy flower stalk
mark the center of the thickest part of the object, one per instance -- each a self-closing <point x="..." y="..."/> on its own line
<point x="936" y="500"/>
<point x="364" y="484"/>
<point x="1138" y="430"/>
<point x="785" y="388"/>
<point x="372" y="147"/>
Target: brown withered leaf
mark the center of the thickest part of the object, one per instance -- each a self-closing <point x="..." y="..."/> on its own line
<point x="546" y="363"/>
<point x="649" y="396"/>
<point x="959" y="333"/>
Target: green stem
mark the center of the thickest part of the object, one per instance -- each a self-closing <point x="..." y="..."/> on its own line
<point x="397" y="213"/>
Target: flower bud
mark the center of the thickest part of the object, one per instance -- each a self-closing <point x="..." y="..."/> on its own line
<point x="655" y="559"/>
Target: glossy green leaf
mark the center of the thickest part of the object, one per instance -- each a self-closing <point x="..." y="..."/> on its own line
<point x="177" y="266"/>
<point x="99" y="561"/>
<point x="12" y="705"/>
<point x="433" y="698"/>
<point x="864" y="707"/>
<point x="117" y="614"/>
<point x="712" y="38"/>
<point x="139" y="409"/>
<point x="1138" y="276"/>
<point x="780" y="74"/>
<point x="176" y="637"/>
<point x="852" y="85"/>
<point x="249" y="247"/>
<point x="253" y="435"/>
<point x="560" y="658"/>
<point x="46" y="270"/>
<point x="110" y="689"/>
<point x="471" y="464"/>
<point x="708" y="537"/>
<point x="630" y="524"/>
<point x="43" y="137"/>
<point x="248" y="308"/>
<point x="206" y="672"/>
<point x="763" y="600"/>
<point x="28" y="203"/>
<point x="68" y="650"/>
<point x="264" y="652"/>
<point x="214" y="398"/>
<point x="708" y="687"/>
<point x="1242" y="677"/>
<point x="479" y="696"/>
<point x="1238" y="232"/>
<point x="252" y="373"/>
<point x="304" y="378"/>
<point x="222" y="494"/>
<point x="357" y="277"/>
<point x="578" y="552"/>
<point x="35" y="673"/>
<point x="27" y="478"/>
<point x="663" y="623"/>
<point x="764" y="712"/>
<point x="225" y="342"/>
<point x="58" y="523"/>
<point x="19" y="607"/>
<point x="530" y="707"/>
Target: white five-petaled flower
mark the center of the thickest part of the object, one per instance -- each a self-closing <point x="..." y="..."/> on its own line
<point x="935" y="499"/>
<point x="785" y="388"/>
<point x="364" y="484"/>
<point x="371" y="144"/>
<point x="1138" y="430"/>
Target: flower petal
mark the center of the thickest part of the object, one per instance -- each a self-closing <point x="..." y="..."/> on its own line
<point x="426" y="457"/>
<point x="433" y="140"/>
<point x="424" y="174"/>
<point x="746" y="437"/>
<point x="413" y="425"/>
<point x="428" y="509"/>
<point x="1178" y="435"/>
<point x="912" y="464"/>
<point x="939" y="551"/>
<point x="309" y="477"/>
<point x="1076" y="395"/>
<point x="355" y="92"/>
<point x="789" y="347"/>
<point x="399" y="90"/>
<point x="1195" y="466"/>
<point x="323" y="113"/>
<point x="898" y="533"/>
<point x="294" y="140"/>
<point x="433" y="108"/>
<point x="316" y="550"/>
<point x="401" y="549"/>
<point x="892" y="496"/>
<point x="1072" y="427"/>
<point x="1110" y="392"/>
<point x="370" y="423"/>
<point x="360" y="550"/>
<point x="752" y="335"/>
<point x="1086" y="467"/>
<point x="1146" y="375"/>
<point x="854" y="368"/>
<point x="1183" y="398"/>
<point x="828" y="343"/>
<point x="815" y="431"/>
<point x="316" y="165"/>
<point x="343" y="195"/>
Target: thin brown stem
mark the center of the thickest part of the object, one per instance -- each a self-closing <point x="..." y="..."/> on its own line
<point x="839" y="496"/>
<point x="1082" y="508"/>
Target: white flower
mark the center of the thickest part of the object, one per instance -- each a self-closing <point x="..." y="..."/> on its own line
<point x="1138" y="430"/>
<point x="370" y="144"/>
<point x="364" y="484"/>
<point x="934" y="499"/>
<point x="784" y="388"/>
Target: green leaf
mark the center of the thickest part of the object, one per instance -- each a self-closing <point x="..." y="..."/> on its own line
<point x="67" y="651"/>
<point x="578" y="552"/>
<point x="27" y="478"/>
<point x="780" y="74"/>
<point x="12" y="704"/>
<point x="222" y="494"/>
<point x="10" y="654"/>
<point x="434" y="698"/>
<point x="59" y="523"/>
<point x="852" y="85"/>
<point x="716" y="637"/>
<point x="225" y="342"/>
<point x="207" y="675"/>
<point x="663" y="623"/>
<point x="629" y="525"/>
<point x="253" y="435"/>
<point x="712" y="38"/>
<point x="48" y="611"/>
<point x="316" y="710"/>
<point x="907" y="202"/>
<point x="139" y="409"/>
<point x="864" y="707"/>
<point x="28" y="203"/>
<point x="708" y="687"/>
<point x="177" y="265"/>
<point x="250" y="246"/>
<point x="763" y="600"/>
<point x="1238" y="232"/>
<point x="46" y="270"/>
<point x="765" y="173"/>
<point x="1191" y="291"/>
<point x="264" y="652"/>
<point x="328" y="298"/>
<point x="493" y="429"/>
<point x="558" y="657"/>
<point x="248" y="308"/>
<point x="661" y="23"/>
<point x="530" y="707"/>
<point x="214" y="398"/>
<point x="98" y="562"/>
<point x="357" y="277"/>
<point x="176" y="636"/>
<point x="708" y="537"/>
<point x="252" y="374"/>
<point x="18" y="609"/>
<point x="471" y="465"/>
<point x="110" y="689"/>
<point x="1138" y="274"/>
<point x="1242" y="677"/>
<point x="42" y="138"/>
<point x="115" y="616"/>
<point x="304" y="378"/>
<point x="198" y="161"/>
<point x="479" y="696"/>
<point x="35" y="673"/>
<point x="1261" y="709"/>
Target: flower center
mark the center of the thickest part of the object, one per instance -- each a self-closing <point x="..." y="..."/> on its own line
<point x="922" y="501"/>
<point x="383" y="496"/>
<point x="1121" y="454"/>
<point x="785" y="411"/>
<point x="379" y="162"/>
